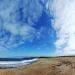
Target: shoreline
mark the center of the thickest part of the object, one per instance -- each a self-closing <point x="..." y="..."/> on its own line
<point x="16" y="64"/>
<point x="44" y="66"/>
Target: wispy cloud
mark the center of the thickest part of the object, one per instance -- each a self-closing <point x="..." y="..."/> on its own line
<point x="16" y="28"/>
<point x="64" y="24"/>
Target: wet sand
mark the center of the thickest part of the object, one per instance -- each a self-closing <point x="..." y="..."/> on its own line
<point x="45" y="66"/>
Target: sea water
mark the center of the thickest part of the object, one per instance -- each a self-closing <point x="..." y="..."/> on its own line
<point x="12" y="64"/>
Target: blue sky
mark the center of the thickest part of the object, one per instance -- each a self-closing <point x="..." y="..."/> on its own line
<point x="27" y="31"/>
<point x="37" y="28"/>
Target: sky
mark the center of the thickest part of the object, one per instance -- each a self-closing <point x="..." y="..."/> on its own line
<point x="37" y="28"/>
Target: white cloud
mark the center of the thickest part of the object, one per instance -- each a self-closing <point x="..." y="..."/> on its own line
<point x="9" y="13"/>
<point x="64" y="24"/>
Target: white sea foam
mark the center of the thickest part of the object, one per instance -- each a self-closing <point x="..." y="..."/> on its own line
<point x="16" y="63"/>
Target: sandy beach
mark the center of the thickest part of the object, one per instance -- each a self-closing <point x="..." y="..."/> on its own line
<point x="45" y="66"/>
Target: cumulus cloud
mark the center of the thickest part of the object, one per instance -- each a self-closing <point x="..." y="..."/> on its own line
<point x="17" y="19"/>
<point x="64" y="24"/>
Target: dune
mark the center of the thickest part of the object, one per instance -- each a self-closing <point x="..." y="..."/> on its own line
<point x="45" y="66"/>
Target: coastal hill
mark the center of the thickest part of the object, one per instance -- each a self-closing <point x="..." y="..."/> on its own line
<point x="45" y="66"/>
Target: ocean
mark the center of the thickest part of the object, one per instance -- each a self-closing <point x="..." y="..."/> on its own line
<point x="16" y="62"/>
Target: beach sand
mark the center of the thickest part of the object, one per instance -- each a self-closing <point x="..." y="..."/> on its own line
<point x="45" y="66"/>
